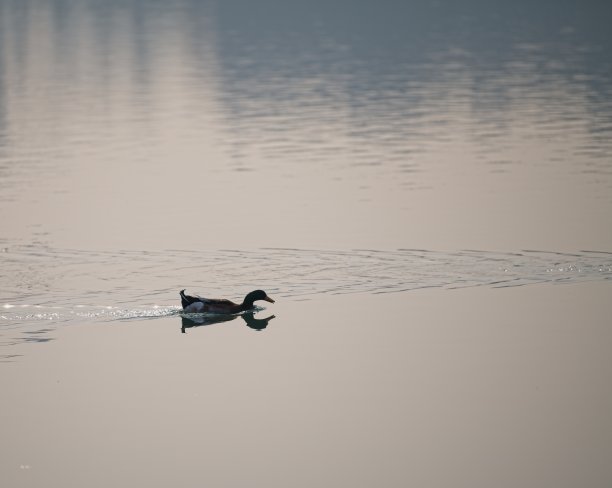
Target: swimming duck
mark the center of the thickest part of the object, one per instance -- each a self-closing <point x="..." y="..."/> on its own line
<point x="215" y="305"/>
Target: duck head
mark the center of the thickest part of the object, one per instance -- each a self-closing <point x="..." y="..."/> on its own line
<point x="254" y="296"/>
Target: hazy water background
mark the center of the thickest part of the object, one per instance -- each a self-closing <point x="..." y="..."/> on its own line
<point x="313" y="149"/>
<point x="194" y="124"/>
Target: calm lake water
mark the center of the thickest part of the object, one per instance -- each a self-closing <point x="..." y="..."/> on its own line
<point x="380" y="168"/>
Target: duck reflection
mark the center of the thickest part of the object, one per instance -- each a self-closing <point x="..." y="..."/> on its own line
<point x="197" y="320"/>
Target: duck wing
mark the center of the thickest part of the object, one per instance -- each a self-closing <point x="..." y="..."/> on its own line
<point x="187" y="300"/>
<point x="219" y="305"/>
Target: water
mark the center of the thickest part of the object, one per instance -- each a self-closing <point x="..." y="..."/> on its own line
<point x="194" y="124"/>
<point x="409" y="180"/>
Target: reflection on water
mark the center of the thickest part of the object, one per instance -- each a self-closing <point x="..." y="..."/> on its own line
<point x="130" y="124"/>
<point x="197" y="320"/>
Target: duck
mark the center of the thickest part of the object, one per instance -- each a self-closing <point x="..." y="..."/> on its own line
<point x="216" y="305"/>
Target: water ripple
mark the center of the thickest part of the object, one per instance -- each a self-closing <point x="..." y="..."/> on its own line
<point x="43" y="287"/>
<point x="48" y="277"/>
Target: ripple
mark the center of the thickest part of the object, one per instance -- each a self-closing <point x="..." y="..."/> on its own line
<point x="108" y="283"/>
<point x="45" y="287"/>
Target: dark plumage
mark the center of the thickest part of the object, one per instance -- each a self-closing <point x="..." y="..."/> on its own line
<point x="214" y="305"/>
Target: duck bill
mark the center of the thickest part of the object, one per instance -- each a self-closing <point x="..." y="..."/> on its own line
<point x="268" y="299"/>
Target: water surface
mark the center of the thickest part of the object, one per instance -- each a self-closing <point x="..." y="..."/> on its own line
<point x="409" y="180"/>
<point x="200" y="124"/>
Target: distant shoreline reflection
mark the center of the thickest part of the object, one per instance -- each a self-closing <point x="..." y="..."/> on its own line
<point x="197" y="320"/>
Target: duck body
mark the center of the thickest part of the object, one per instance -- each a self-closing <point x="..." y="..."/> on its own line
<point x="216" y="305"/>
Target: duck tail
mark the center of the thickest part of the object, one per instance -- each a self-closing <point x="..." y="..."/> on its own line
<point x="184" y="299"/>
